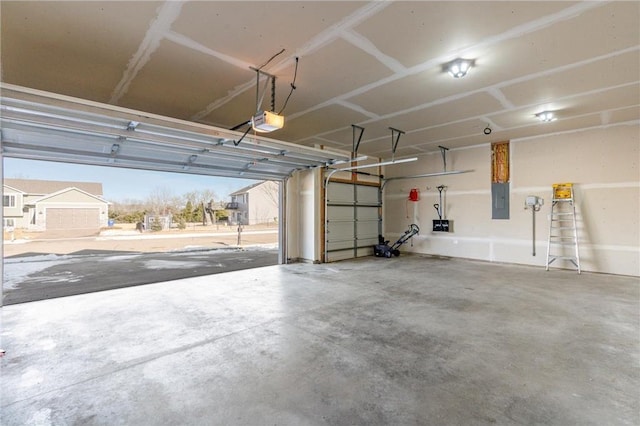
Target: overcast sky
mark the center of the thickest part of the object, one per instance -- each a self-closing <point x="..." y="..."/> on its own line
<point x="120" y="184"/>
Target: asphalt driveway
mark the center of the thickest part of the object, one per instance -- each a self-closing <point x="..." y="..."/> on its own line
<point x="30" y="277"/>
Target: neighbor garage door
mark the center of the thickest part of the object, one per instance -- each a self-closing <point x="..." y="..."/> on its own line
<point x="73" y="218"/>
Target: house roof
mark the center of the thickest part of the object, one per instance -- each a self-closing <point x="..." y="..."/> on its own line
<point x="44" y="187"/>
<point x="11" y="188"/>
<point x="247" y="188"/>
<point x="62" y="191"/>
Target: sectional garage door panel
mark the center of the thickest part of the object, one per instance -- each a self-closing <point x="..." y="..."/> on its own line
<point x="73" y="218"/>
<point x="352" y="220"/>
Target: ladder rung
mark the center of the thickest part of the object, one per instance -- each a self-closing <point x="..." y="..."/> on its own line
<point x="561" y="214"/>
<point x="562" y="257"/>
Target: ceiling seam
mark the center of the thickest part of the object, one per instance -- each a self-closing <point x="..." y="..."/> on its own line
<point x="566" y="67"/>
<point x="327" y="36"/>
<point x="364" y="44"/>
<point x="358" y="108"/>
<point x="582" y="129"/>
<point x="167" y="14"/>
<point x="523" y="107"/>
<point x="440" y="141"/>
<point x="491" y="123"/>
<point x="500" y="97"/>
<point x="194" y="45"/>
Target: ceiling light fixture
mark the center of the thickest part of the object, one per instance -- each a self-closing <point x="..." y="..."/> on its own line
<point x="459" y="67"/>
<point x="546" y="116"/>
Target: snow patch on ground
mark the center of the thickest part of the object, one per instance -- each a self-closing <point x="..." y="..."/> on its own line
<point x="261" y="247"/>
<point x="120" y="257"/>
<point x="171" y="264"/>
<point x="38" y="258"/>
<point x="18" y="241"/>
<point x="22" y="267"/>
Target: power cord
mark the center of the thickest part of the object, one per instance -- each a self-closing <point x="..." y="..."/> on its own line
<point x="293" y="87"/>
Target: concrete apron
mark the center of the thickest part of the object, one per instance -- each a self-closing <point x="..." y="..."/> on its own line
<point x="409" y="340"/>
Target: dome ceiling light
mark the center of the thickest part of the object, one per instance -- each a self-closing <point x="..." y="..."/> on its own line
<point x="459" y="67"/>
<point x="546" y="116"/>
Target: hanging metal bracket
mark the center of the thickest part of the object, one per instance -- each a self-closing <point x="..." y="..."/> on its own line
<point x="356" y="143"/>
<point x="395" y="138"/>
<point x="443" y="151"/>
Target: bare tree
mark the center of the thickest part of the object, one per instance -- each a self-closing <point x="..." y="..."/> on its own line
<point x="201" y="201"/>
<point x="199" y="197"/>
<point x="162" y="200"/>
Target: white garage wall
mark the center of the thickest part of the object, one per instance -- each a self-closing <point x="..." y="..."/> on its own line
<point x="303" y="213"/>
<point x="602" y="163"/>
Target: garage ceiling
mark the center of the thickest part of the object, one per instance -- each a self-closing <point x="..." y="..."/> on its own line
<point x="374" y="64"/>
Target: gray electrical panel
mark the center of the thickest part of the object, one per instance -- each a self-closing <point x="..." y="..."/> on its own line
<point x="500" y="200"/>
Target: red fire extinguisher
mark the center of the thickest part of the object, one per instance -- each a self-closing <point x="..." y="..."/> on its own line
<point x="414" y="195"/>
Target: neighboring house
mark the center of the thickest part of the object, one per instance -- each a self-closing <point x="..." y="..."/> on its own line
<point x="44" y="205"/>
<point x="255" y="204"/>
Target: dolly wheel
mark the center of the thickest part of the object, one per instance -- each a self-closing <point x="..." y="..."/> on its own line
<point x="396" y="253"/>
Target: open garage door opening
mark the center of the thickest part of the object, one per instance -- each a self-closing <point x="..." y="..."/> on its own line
<point x="179" y="215"/>
<point x="72" y="229"/>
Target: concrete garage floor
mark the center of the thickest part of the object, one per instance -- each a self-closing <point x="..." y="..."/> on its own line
<point x="409" y="340"/>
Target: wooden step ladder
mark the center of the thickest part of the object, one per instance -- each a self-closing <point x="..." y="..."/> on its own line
<point x="563" y="230"/>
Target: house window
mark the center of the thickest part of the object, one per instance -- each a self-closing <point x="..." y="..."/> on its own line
<point x="8" y="200"/>
<point x="9" y="223"/>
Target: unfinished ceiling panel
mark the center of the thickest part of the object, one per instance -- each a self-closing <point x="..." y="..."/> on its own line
<point x="474" y="105"/>
<point x="321" y="142"/>
<point x="622" y="115"/>
<point x="426" y="30"/>
<point x="527" y="56"/>
<point x="609" y="72"/>
<point x="72" y="48"/>
<point x="253" y="31"/>
<point x="597" y="31"/>
<point x="320" y="121"/>
<point x="318" y="71"/>
<point x="179" y="82"/>
<point x="383" y="150"/>
<point x="233" y="111"/>
<point x="315" y="83"/>
<point x="411" y="91"/>
<point x="440" y="135"/>
<point x="593" y="103"/>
